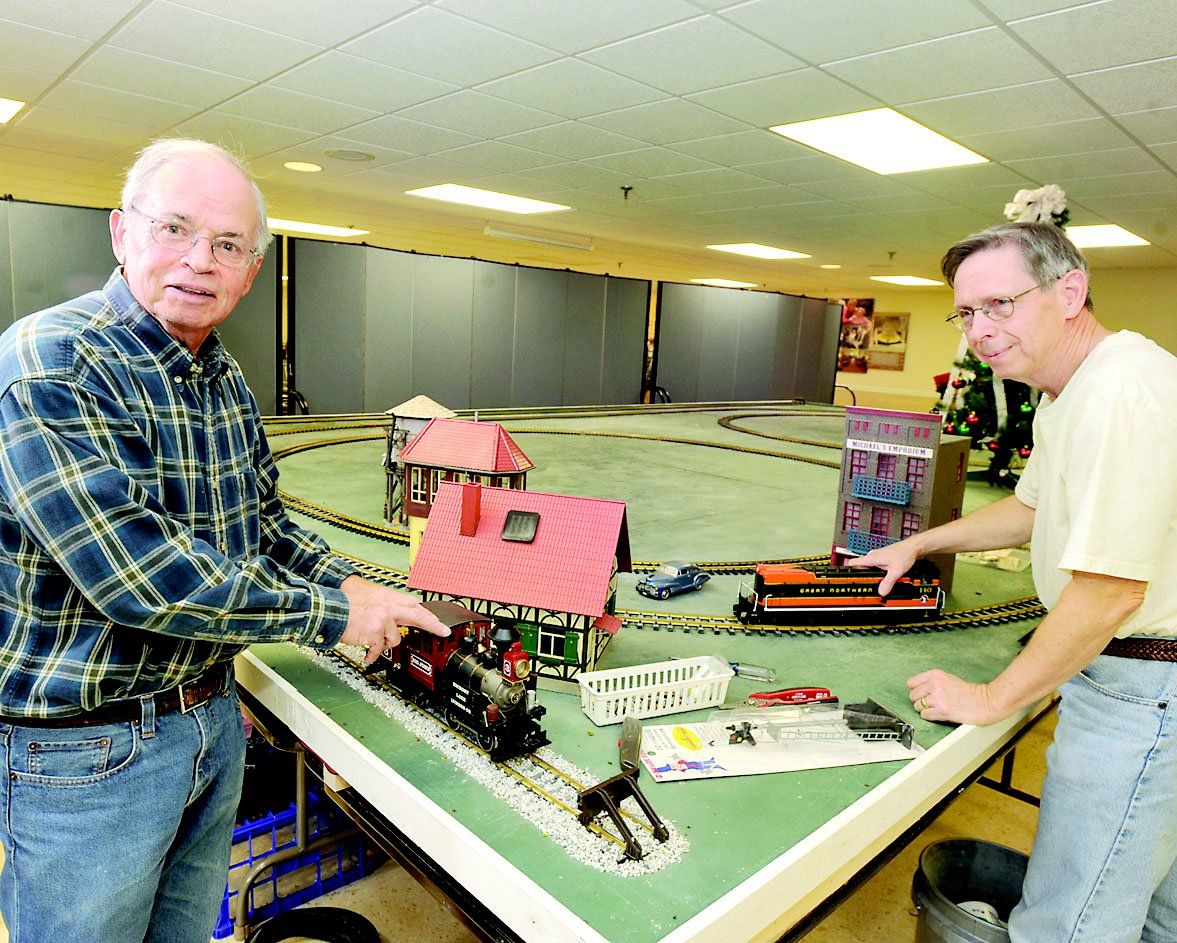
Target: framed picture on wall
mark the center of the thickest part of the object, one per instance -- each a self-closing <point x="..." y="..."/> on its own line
<point x="855" y="335"/>
<point x="888" y="343"/>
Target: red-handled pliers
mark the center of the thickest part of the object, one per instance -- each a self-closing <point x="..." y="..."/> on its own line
<point x="792" y="696"/>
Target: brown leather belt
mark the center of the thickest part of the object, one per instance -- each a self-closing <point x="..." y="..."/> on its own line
<point x="1148" y="649"/>
<point x="183" y="697"/>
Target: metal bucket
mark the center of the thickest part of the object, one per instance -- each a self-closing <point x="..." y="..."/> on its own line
<point x="958" y="870"/>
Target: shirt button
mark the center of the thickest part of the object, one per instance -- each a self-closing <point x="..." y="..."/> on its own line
<point x="320" y="639"/>
<point x="178" y="379"/>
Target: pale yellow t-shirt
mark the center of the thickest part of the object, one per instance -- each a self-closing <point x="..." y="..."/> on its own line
<point x="1103" y="478"/>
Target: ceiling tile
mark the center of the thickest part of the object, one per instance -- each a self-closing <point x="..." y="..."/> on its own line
<point x="1118" y="160"/>
<point x="650" y="162"/>
<point x="1158" y="126"/>
<point x="83" y="18"/>
<point x="779" y="195"/>
<point x="23" y="85"/>
<point x="57" y="141"/>
<point x="572" y="89"/>
<point x="361" y="82"/>
<point x="573" y="139"/>
<point x="307" y="19"/>
<point x="572" y="27"/>
<point x="1100" y="35"/>
<point x="858" y="188"/>
<point x="127" y="71"/>
<point x="1167" y="153"/>
<point x="295" y="110"/>
<point x="949" y="181"/>
<point x="716" y="180"/>
<point x="1048" y="140"/>
<point x="440" y="45"/>
<point x="405" y="135"/>
<point x="479" y="114"/>
<point x="744" y="147"/>
<point x="1132" y="88"/>
<point x="1157" y="181"/>
<point x="94" y="102"/>
<point x="49" y="51"/>
<point x="1009" y="10"/>
<point x="946" y="65"/>
<point x="838" y="29"/>
<point x="669" y="58"/>
<point x="1002" y="109"/>
<point x="794" y="96"/>
<point x="226" y="47"/>
<point x="89" y="126"/>
<point x="496" y="157"/>
<point x="666" y="122"/>
<point x="243" y="135"/>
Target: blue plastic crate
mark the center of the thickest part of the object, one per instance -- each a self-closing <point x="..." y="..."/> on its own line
<point x="302" y="878"/>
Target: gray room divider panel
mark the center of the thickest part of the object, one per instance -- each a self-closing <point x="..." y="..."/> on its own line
<point x="725" y="344"/>
<point x="249" y="334"/>
<point x="375" y="327"/>
<point x="7" y="314"/>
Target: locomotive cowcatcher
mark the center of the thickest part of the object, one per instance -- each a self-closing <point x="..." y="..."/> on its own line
<point x="478" y="679"/>
<point x="817" y="594"/>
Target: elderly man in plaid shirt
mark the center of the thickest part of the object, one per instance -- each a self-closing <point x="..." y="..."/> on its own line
<point x="142" y="545"/>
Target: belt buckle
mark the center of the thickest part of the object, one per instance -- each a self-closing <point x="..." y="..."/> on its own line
<point x="191" y="697"/>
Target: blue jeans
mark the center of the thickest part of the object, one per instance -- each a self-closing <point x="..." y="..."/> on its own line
<point x="1104" y="864"/>
<point x="119" y="833"/>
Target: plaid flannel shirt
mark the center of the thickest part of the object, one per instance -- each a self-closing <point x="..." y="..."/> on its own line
<point x="142" y="539"/>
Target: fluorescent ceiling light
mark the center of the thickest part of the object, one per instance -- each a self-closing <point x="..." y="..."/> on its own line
<point x="8" y="108"/>
<point x="881" y="140"/>
<point x="1092" y="237"/>
<point x="303" y="166"/>
<point x="757" y="251"/>
<point x="723" y="283"/>
<point x="911" y="280"/>
<point x="486" y="199"/>
<point x="831" y="265"/>
<point x="315" y="229"/>
<point x="561" y="239"/>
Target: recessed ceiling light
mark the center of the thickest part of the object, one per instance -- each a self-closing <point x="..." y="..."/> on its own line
<point x="830" y="265"/>
<point x="303" y="166"/>
<point x="911" y="280"/>
<point x="723" y="283"/>
<point x="757" y="251"/>
<point x="346" y="154"/>
<point x="881" y="140"/>
<point x="486" y="199"/>
<point x="8" y="108"/>
<point x="1092" y="237"/>
<point x="315" y="229"/>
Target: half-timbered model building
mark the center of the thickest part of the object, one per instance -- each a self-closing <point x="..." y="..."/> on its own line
<point x="547" y="561"/>
<point x="408" y="419"/>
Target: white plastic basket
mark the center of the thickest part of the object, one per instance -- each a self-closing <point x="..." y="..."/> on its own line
<point x="663" y="687"/>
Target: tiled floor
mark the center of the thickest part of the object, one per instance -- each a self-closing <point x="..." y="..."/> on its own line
<point x="878" y="912"/>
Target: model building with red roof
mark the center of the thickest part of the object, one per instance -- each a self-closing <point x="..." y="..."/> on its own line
<point x="456" y="450"/>
<point x="547" y="561"/>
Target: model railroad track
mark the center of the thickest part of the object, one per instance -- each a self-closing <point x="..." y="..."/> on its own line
<point x="562" y="793"/>
<point x="730" y="422"/>
<point x="1015" y="610"/>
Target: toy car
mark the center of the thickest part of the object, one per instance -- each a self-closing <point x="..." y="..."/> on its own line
<point x="672" y="578"/>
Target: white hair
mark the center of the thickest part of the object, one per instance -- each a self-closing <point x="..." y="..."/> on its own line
<point x="164" y="150"/>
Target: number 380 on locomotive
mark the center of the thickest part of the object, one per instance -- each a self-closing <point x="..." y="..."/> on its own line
<point x="819" y="594"/>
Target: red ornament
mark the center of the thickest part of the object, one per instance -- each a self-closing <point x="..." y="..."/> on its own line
<point x="950" y="429"/>
<point x="994" y="445"/>
<point x="958" y="383"/>
<point x="972" y="419"/>
<point x="1024" y="451"/>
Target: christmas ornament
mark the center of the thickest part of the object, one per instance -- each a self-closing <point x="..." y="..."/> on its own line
<point x="1026" y="408"/>
<point x="994" y="445"/>
<point x="1024" y="451"/>
<point x="958" y="383"/>
<point x="950" y="429"/>
<point x="972" y="419"/>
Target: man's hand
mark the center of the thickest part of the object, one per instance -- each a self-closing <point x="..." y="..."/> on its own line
<point x="377" y="614"/>
<point x="896" y="559"/>
<point x="937" y="695"/>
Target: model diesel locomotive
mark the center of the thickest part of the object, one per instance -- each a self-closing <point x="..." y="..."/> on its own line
<point x="478" y="679"/>
<point x="822" y="594"/>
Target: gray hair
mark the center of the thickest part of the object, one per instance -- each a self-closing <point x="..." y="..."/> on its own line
<point x="1046" y="252"/>
<point x="165" y="150"/>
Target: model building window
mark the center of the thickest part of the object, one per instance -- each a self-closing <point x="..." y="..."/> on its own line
<point x="551" y="642"/>
<point x="880" y="521"/>
<point x="417" y="485"/>
<point x="916" y="469"/>
<point x="887" y="466"/>
<point x="858" y="460"/>
<point x="851" y="515"/>
<point x="911" y="524"/>
<point x="434" y="481"/>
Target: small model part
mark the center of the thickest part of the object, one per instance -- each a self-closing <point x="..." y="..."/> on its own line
<point x="741" y="733"/>
<point x="753" y="672"/>
<point x="671" y="578"/>
<point x="871" y="721"/>
<point x="607" y="795"/>
<point x="792" y="696"/>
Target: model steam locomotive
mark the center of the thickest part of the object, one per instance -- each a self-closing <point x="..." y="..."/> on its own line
<point x="478" y="679"/>
<point x="823" y="594"/>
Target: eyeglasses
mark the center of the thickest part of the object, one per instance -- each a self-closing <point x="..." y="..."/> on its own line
<point x="999" y="309"/>
<point x="177" y="237"/>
